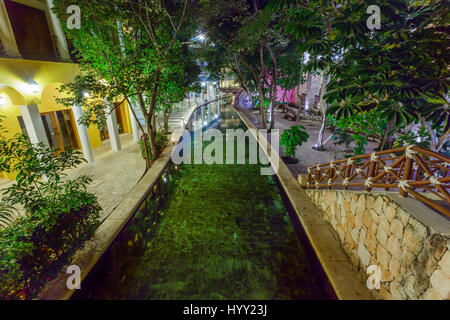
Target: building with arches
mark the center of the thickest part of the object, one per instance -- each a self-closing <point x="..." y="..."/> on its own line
<point x="35" y="59"/>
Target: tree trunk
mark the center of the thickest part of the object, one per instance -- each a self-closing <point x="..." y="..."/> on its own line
<point x="260" y="89"/>
<point x="383" y="141"/>
<point x="308" y="90"/>
<point x="143" y="137"/>
<point x="148" y="160"/>
<point x="262" y="112"/>
<point x="282" y="100"/>
<point x="242" y="80"/>
<point x="323" y="107"/>
<point x="302" y="100"/>
<point x="273" y="98"/>
<point x="166" y="114"/>
<point x="150" y="123"/>
<point x="151" y="116"/>
<point x="322" y="92"/>
<point x="322" y="130"/>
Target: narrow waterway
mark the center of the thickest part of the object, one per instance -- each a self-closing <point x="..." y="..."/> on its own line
<point x="209" y="232"/>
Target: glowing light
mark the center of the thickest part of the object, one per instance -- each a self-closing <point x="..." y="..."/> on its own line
<point x="32" y="86"/>
<point x="2" y="101"/>
<point x="86" y="94"/>
<point x="201" y="37"/>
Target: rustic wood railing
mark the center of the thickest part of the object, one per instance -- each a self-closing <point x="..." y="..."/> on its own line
<point x="410" y="170"/>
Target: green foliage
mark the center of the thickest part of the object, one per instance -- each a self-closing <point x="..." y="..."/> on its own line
<point x="400" y="70"/>
<point x="341" y="137"/>
<point x="361" y="143"/>
<point x="369" y="123"/>
<point x="293" y="138"/>
<point x="407" y="137"/>
<point x="129" y="50"/>
<point x="359" y="126"/>
<point x="59" y="215"/>
<point x="160" y="142"/>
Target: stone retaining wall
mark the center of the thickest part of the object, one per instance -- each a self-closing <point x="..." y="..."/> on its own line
<point x="373" y="229"/>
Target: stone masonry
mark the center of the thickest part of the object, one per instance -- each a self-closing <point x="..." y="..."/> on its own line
<point x="414" y="258"/>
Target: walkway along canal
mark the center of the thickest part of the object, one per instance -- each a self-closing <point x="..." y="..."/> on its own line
<point x="210" y="232"/>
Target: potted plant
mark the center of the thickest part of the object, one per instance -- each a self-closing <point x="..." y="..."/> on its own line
<point x="290" y="140"/>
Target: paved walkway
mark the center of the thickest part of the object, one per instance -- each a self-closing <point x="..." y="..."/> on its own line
<point x="114" y="174"/>
<point x="307" y="156"/>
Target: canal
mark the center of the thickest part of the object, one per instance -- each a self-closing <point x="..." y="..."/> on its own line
<point x="210" y="232"/>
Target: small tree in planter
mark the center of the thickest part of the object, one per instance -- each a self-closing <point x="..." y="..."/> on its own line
<point x="291" y="139"/>
<point x="59" y="215"/>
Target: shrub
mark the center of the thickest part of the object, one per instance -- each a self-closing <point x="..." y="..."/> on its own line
<point x="293" y="138"/>
<point x="160" y="141"/>
<point x="59" y="215"/>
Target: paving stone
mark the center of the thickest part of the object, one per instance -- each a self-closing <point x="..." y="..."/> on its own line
<point x="397" y="228"/>
<point x="382" y="237"/>
<point x="441" y="283"/>
<point x="364" y="255"/>
<point x="378" y="205"/>
<point x="431" y="294"/>
<point x="383" y="257"/>
<point x="397" y="290"/>
<point x="394" y="247"/>
<point x="390" y="212"/>
<point x="394" y="267"/>
<point x="444" y="264"/>
<point x="413" y="238"/>
<point x="436" y="245"/>
<point x="403" y="215"/>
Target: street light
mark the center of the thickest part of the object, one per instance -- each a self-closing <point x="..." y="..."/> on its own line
<point x="33" y="86"/>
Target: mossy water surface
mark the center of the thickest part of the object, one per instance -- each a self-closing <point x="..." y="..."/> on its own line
<point x="220" y="232"/>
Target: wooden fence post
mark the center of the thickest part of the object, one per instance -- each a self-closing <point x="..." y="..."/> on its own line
<point x="406" y="175"/>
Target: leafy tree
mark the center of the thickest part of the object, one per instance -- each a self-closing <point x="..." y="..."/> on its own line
<point x="361" y="126"/>
<point x="289" y="70"/>
<point x="245" y="42"/>
<point x="400" y="69"/>
<point x="133" y="48"/>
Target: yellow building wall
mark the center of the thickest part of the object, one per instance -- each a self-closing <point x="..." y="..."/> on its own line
<point x="126" y="117"/>
<point x="11" y="126"/>
<point x="49" y="75"/>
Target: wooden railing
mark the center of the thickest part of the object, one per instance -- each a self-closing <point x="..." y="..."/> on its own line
<point x="410" y="170"/>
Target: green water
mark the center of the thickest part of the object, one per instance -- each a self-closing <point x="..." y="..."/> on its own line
<point x="217" y="232"/>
